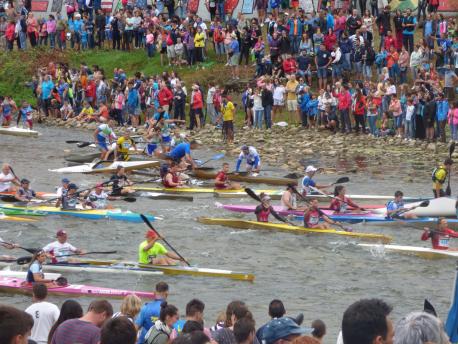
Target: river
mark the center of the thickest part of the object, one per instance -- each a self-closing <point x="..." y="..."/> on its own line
<point x="317" y="275"/>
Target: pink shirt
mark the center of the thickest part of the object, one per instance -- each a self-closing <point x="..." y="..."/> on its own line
<point x="453" y="116"/>
<point x="51" y="26"/>
<point x="149" y="38"/>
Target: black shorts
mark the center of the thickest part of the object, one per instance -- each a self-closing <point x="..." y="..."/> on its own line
<point x="228" y="125"/>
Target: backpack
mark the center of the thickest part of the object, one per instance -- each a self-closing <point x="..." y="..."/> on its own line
<point x="153" y="336"/>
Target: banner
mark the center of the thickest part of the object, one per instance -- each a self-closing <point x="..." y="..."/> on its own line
<point x="247" y="6"/>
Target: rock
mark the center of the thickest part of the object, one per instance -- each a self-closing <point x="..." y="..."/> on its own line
<point x="431" y="146"/>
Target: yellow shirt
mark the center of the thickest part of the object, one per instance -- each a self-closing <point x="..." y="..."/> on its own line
<point x="440" y="177"/>
<point x="199" y="40"/>
<point x="144" y="256"/>
<point x="124" y="145"/>
<point x="228" y="111"/>
<point x="291" y="87"/>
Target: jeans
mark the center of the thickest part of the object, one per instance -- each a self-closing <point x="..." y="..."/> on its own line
<point x="358" y="67"/>
<point x="219" y="48"/>
<point x="258" y="114"/>
<point x="346" y="62"/>
<point x="151" y="49"/>
<point x="454" y="131"/>
<point x="403" y="75"/>
<point x="367" y="71"/>
<point x="372" y="124"/>
<point x="52" y="39"/>
<point x="360" y="122"/>
<point x="336" y="70"/>
<point x="345" y="120"/>
<point x="268" y="116"/>
<point x="407" y="40"/>
<point x="394" y="72"/>
<point x="374" y="10"/>
<point x="211" y="112"/>
<point x="409" y="128"/>
<point x="23" y="40"/>
<point x="295" y="42"/>
<point x="220" y="10"/>
<point x="382" y="41"/>
<point x="304" y="118"/>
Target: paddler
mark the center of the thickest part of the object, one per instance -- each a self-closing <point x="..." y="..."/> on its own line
<point x="263" y="210"/>
<point x="69" y="200"/>
<point x="182" y="152"/>
<point x="253" y="160"/>
<point x="162" y="120"/>
<point x="123" y="145"/>
<point x="98" y="199"/>
<point x="8" y="180"/>
<point x="9" y="246"/>
<point x="222" y="181"/>
<point x="101" y="135"/>
<point x="439" y="177"/>
<point x="35" y="271"/>
<point x="121" y="185"/>
<point x="154" y="139"/>
<point x="152" y="252"/>
<point x="64" y="188"/>
<point x="395" y="208"/>
<point x="288" y="198"/>
<point x="172" y="178"/>
<point x="313" y="214"/>
<point x="308" y="182"/>
<point x="340" y="202"/>
<point x="24" y="193"/>
<point x="59" y="249"/>
<point x="440" y="237"/>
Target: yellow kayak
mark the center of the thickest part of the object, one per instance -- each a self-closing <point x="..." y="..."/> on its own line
<point x="216" y="192"/>
<point x="245" y="224"/>
<point x="4" y="217"/>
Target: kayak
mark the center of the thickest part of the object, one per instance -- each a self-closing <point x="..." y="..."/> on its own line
<point x="92" y="214"/>
<point x="106" y="167"/>
<point x="41" y="194"/>
<point x="164" y="196"/>
<point x="237" y="193"/>
<point x="444" y="206"/>
<point x="114" y="266"/>
<point x="82" y="158"/>
<point x="20" y="286"/>
<point x="245" y="224"/>
<point x="23" y="274"/>
<point x="4" y="217"/>
<point x="254" y="178"/>
<point x="424" y="252"/>
<point x="15" y="131"/>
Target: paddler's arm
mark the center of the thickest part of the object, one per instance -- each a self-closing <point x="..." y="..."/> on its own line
<point x="38" y="279"/>
<point x="173" y="256"/>
<point x="239" y="162"/>
<point x="287" y="202"/>
<point x="451" y="232"/>
<point x="327" y="219"/>
<point x="256" y="164"/>
<point x="275" y="214"/>
<point x="219" y="182"/>
<point x="151" y="244"/>
<point x="191" y="161"/>
<point x="353" y="204"/>
<point x="426" y="234"/>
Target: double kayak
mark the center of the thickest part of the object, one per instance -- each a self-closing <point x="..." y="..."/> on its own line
<point x="443" y="206"/>
<point x="107" y="166"/>
<point x="243" y="177"/>
<point x="20" y="286"/>
<point x="245" y="224"/>
<point x="92" y="214"/>
<point x="114" y="266"/>
<point x="424" y="252"/>
<point x="15" y="131"/>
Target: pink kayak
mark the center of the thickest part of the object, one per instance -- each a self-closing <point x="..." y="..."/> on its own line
<point x="18" y="285"/>
<point x="249" y="208"/>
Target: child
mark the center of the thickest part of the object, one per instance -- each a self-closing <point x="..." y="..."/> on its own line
<point x="303" y="100"/>
<point x="84" y="37"/>
<point x="228" y="112"/>
<point x="372" y="114"/>
<point x="258" y="109"/>
<point x="453" y="121"/>
<point x="312" y="109"/>
<point x="408" y="125"/>
<point x="86" y="113"/>
<point x="26" y="115"/>
<point x="331" y="119"/>
<point x="66" y="111"/>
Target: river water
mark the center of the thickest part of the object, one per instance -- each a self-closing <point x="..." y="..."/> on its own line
<point x="317" y="275"/>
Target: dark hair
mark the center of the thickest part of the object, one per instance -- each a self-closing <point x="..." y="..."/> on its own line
<point x="40" y="291"/>
<point x="13" y="322"/>
<point x="319" y="328"/>
<point x="241" y="311"/>
<point x="276" y="309"/>
<point x="191" y="326"/>
<point x="199" y="337"/>
<point x="448" y="161"/>
<point x="119" y="330"/>
<point x="167" y="310"/>
<point x="364" y="320"/>
<point x="337" y="189"/>
<point x="194" y="306"/>
<point x="243" y="328"/>
<point x="398" y="193"/>
<point x="162" y="287"/>
<point x="101" y="306"/>
<point x="70" y="309"/>
<point x="230" y="310"/>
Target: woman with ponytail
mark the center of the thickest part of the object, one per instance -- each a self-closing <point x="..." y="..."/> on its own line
<point x="160" y="332"/>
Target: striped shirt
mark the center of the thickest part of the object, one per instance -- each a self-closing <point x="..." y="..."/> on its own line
<point x="76" y="331"/>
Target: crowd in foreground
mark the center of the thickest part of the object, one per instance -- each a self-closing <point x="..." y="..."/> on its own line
<point x="366" y="321"/>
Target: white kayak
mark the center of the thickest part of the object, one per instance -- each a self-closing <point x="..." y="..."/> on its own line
<point x="107" y="166"/>
<point x="23" y="274"/>
<point x="15" y="131"/>
<point x="424" y="252"/>
<point x="444" y="206"/>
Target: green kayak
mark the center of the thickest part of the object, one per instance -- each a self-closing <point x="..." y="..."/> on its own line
<point x="21" y="212"/>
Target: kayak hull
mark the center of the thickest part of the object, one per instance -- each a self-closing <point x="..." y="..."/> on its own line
<point x="14" y="218"/>
<point x="444" y="206"/>
<point x="205" y="174"/>
<point x="23" y="274"/>
<point x="18" y="286"/>
<point x="424" y="252"/>
<point x="245" y="224"/>
<point x="107" y="167"/>
<point x="82" y="158"/>
<point x="15" y="131"/>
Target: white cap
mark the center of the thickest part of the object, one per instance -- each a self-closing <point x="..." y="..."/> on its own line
<point x="310" y="168"/>
<point x="266" y="198"/>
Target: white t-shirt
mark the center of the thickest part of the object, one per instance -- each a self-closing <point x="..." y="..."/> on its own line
<point x="409" y="112"/>
<point x="44" y="316"/>
<point x="279" y="92"/>
<point x="59" y="249"/>
<point x="5" y="185"/>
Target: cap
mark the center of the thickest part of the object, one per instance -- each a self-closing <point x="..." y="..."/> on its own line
<point x="61" y="232"/>
<point x="245" y="148"/>
<point x="72" y="186"/>
<point x="65" y="180"/>
<point x="25" y="181"/>
<point x="311" y="168"/>
<point x="150" y="234"/>
<point x="266" y="198"/>
<point x="99" y="185"/>
<point x="281" y="328"/>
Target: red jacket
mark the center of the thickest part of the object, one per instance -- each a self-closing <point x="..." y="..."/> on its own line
<point x="330" y="41"/>
<point x="197" y="102"/>
<point x="10" y="32"/>
<point x="164" y="96"/>
<point x="344" y="99"/>
<point x="91" y="90"/>
<point x="360" y="106"/>
<point x="440" y="239"/>
<point x="290" y="66"/>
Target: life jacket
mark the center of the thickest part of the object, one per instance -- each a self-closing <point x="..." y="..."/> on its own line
<point x="263" y="214"/>
<point x="312" y="218"/>
<point x="174" y="179"/>
<point x="435" y="179"/>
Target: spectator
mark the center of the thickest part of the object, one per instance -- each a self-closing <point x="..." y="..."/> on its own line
<point x="119" y="330"/>
<point x="420" y="327"/>
<point x="15" y="325"/>
<point x="70" y="310"/>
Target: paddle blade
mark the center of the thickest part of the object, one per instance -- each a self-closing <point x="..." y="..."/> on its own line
<point x="72" y="141"/>
<point x="342" y="180"/>
<point x="252" y="194"/>
<point x="451" y="149"/>
<point x="8" y="198"/>
<point x="292" y="176"/>
<point x="424" y="204"/>
<point x="130" y="199"/>
<point x="429" y="308"/>
<point x="217" y="156"/>
<point x="23" y="260"/>
<point x="83" y="144"/>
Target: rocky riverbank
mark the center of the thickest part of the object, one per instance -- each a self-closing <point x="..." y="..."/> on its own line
<point x="291" y="148"/>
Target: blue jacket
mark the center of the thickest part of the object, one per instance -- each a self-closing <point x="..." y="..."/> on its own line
<point x="300" y="26"/>
<point x="312" y="107"/>
<point x="442" y="109"/>
<point x="329" y="21"/>
<point x="303" y="101"/>
<point x="345" y="46"/>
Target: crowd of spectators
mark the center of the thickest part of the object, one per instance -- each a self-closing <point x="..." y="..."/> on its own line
<point x="366" y="321"/>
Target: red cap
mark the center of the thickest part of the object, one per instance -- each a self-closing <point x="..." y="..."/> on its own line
<point x="99" y="185"/>
<point x="151" y="234"/>
<point x="61" y="232"/>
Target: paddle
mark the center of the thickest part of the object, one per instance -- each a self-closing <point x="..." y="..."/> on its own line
<point x="148" y="223"/>
<point x="253" y="195"/>
<point x="347" y="229"/>
<point x="25" y="260"/>
<point x="30" y="250"/>
<point x="214" y="157"/>
<point x="448" y="191"/>
<point x="429" y="308"/>
<point x="399" y="212"/>
<point x="84" y="144"/>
